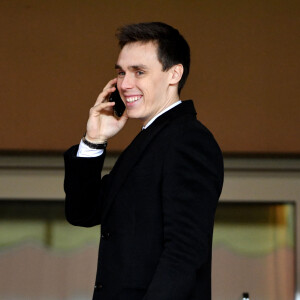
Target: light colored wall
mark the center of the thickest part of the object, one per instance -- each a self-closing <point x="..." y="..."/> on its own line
<point x="271" y="180"/>
<point x="56" y="56"/>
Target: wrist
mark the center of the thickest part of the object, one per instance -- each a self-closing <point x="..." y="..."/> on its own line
<point x="99" y="140"/>
<point x="94" y="143"/>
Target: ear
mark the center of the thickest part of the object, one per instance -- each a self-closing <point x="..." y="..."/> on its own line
<point x="176" y="73"/>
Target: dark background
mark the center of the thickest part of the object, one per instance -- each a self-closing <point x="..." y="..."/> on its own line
<point x="56" y="56"/>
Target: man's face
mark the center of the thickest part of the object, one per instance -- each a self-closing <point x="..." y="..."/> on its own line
<point x="143" y="86"/>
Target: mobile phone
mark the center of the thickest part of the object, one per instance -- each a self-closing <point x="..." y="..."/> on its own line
<point x="119" y="104"/>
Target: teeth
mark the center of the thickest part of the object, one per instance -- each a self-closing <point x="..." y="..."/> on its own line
<point x="132" y="99"/>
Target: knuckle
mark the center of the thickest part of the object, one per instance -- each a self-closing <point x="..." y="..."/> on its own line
<point x="92" y="109"/>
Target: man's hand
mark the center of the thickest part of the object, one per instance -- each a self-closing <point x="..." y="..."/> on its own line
<point x="102" y="124"/>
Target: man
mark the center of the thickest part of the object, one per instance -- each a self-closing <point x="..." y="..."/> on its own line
<point x="156" y="207"/>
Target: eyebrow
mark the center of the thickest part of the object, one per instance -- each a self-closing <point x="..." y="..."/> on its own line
<point x="134" y="67"/>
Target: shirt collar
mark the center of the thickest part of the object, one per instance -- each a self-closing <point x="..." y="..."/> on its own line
<point x="162" y="112"/>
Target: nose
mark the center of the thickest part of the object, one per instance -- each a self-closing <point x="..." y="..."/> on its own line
<point x="126" y="82"/>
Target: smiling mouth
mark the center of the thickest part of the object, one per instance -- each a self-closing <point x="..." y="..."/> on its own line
<point x="132" y="99"/>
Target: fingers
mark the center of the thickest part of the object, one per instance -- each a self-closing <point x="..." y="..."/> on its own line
<point x="99" y="108"/>
<point x="108" y="89"/>
<point x="111" y="83"/>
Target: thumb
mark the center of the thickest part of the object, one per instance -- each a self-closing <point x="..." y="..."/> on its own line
<point x="123" y="119"/>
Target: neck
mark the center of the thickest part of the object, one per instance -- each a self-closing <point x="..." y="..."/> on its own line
<point x="162" y="111"/>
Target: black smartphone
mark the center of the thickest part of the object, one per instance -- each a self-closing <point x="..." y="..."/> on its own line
<point x="119" y="104"/>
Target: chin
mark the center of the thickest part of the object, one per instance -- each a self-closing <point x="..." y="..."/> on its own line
<point x="133" y="114"/>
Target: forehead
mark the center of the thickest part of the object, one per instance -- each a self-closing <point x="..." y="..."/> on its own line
<point x="138" y="53"/>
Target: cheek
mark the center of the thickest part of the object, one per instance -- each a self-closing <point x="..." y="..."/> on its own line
<point x="152" y="90"/>
<point x="153" y="87"/>
<point x="149" y="97"/>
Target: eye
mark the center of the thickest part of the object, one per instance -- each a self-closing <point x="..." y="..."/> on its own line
<point x="121" y="73"/>
<point x="139" y="73"/>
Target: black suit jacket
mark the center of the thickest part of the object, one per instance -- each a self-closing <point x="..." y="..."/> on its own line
<point x="156" y="209"/>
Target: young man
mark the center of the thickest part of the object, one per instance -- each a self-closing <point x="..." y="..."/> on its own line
<point x="156" y="207"/>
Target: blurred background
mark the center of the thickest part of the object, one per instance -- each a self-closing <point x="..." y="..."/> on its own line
<point x="55" y="58"/>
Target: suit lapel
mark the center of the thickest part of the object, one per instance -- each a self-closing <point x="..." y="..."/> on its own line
<point x="127" y="161"/>
<point x="132" y="154"/>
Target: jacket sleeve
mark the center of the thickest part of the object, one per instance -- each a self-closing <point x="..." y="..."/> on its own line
<point x="192" y="183"/>
<point x="83" y="188"/>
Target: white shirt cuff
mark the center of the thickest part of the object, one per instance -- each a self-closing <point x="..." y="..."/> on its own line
<point x="85" y="151"/>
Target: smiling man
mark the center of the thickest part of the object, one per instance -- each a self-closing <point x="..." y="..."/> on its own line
<point x="156" y="207"/>
<point x="144" y="86"/>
